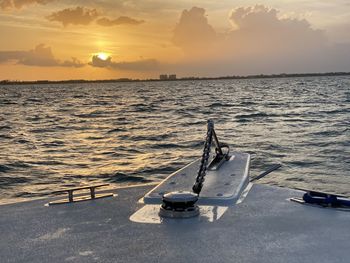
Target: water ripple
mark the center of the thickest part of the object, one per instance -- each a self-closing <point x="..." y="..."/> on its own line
<point x="55" y="136"/>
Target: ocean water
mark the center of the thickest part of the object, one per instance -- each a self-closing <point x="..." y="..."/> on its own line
<point x="59" y="136"/>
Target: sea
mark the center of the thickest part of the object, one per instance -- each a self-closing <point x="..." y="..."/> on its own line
<point x="57" y="136"/>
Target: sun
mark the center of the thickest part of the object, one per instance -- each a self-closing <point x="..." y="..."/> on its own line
<point x="102" y="56"/>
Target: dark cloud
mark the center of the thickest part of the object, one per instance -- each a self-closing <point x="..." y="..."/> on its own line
<point x="6" y="56"/>
<point x="74" y="16"/>
<point x="84" y="16"/>
<point x="259" y="42"/>
<point x="123" y="20"/>
<point x="98" y="62"/>
<point x="17" y="4"/>
<point x="39" y="56"/>
<point x="73" y="63"/>
<point x="143" y="64"/>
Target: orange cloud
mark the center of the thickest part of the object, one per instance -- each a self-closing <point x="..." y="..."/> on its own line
<point x="11" y="4"/>
<point x="84" y="16"/>
<point x="257" y="30"/>
<point x="143" y="64"/>
<point x="74" y="16"/>
<point x="193" y="30"/>
<point x="259" y="41"/>
<point x="39" y="56"/>
<point x="261" y="26"/>
<point x="123" y="20"/>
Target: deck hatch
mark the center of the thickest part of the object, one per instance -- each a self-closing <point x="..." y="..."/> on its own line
<point x="221" y="187"/>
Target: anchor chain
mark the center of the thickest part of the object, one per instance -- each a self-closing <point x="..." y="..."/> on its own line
<point x="197" y="187"/>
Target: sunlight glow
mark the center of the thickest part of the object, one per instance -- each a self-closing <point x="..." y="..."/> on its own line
<point x="102" y="56"/>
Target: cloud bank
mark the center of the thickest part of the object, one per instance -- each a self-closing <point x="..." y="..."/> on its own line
<point x="122" y="20"/>
<point x="74" y="16"/>
<point x="40" y="56"/>
<point x="138" y="65"/>
<point x="17" y="4"/>
<point x="259" y="42"/>
<point x="85" y="16"/>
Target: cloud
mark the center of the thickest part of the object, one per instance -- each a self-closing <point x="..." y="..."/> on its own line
<point x="74" y="16"/>
<point x="261" y="25"/>
<point x="42" y="56"/>
<point x="17" y="4"/>
<point x="122" y="20"/>
<point x="39" y="56"/>
<point x="100" y="63"/>
<point x="6" y="56"/>
<point x="143" y="64"/>
<point x="193" y="30"/>
<point x="73" y="63"/>
<point x="259" y="42"/>
<point x="85" y="16"/>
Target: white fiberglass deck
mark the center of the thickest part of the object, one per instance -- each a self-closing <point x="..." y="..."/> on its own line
<point x="265" y="227"/>
<point x="221" y="187"/>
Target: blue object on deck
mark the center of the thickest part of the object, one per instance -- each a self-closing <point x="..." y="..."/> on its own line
<point x="325" y="199"/>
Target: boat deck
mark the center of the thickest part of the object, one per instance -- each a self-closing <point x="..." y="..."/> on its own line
<point x="265" y="227"/>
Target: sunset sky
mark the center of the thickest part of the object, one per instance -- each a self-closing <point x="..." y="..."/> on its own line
<point x="58" y="39"/>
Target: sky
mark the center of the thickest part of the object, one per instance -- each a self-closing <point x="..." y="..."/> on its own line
<point x="110" y="39"/>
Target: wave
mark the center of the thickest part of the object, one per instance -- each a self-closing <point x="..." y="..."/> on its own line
<point x="6" y="181"/>
<point x="5" y="127"/>
<point x="125" y="178"/>
<point x="116" y="130"/>
<point x="252" y="115"/>
<point x="4" y="168"/>
<point x="142" y="132"/>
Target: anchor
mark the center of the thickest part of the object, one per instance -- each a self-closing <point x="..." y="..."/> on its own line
<point x="182" y="204"/>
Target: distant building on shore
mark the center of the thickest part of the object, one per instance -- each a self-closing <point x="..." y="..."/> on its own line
<point x="166" y="77"/>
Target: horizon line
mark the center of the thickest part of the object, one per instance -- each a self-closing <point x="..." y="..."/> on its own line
<point x="254" y="76"/>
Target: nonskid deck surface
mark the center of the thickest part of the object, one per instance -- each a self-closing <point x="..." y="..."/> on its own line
<point x="265" y="227"/>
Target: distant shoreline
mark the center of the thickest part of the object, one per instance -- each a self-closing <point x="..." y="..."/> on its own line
<point x="260" y="76"/>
